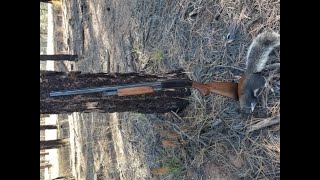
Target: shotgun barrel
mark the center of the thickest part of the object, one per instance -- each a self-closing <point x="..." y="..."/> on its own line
<point x="112" y="90"/>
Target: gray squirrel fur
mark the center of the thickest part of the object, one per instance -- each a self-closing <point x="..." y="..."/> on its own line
<point x="259" y="50"/>
<point x="257" y="57"/>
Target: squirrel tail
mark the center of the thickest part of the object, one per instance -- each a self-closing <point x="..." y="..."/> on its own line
<point x="260" y="49"/>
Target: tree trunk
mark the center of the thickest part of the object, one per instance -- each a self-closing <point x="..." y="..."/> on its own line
<point x="59" y="57"/>
<point x="44" y="153"/>
<point x="45" y="165"/>
<point x="44" y="127"/>
<point x="158" y="102"/>
<point x="53" y="144"/>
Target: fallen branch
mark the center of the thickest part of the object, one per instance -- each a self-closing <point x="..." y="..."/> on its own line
<point x="265" y="123"/>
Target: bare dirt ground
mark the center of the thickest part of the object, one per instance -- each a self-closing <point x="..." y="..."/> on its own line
<point x="209" y="40"/>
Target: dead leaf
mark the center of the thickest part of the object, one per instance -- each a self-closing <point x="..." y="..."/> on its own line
<point x="160" y="171"/>
<point x="168" y="143"/>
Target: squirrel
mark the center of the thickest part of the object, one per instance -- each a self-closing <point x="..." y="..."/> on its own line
<point x="252" y="82"/>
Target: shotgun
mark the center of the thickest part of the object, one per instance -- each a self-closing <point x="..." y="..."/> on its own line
<point x="227" y="89"/>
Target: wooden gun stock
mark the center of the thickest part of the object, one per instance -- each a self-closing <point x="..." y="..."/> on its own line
<point x="227" y="89"/>
<point x="135" y="91"/>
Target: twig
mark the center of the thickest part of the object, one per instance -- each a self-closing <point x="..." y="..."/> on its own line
<point x="232" y="67"/>
<point x="216" y="122"/>
<point x="272" y="66"/>
<point x="178" y="130"/>
<point x="265" y="123"/>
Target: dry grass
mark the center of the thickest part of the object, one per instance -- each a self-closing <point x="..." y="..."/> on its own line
<point x="209" y="40"/>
